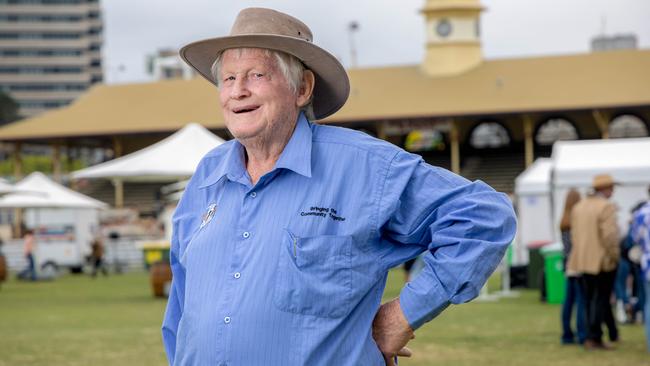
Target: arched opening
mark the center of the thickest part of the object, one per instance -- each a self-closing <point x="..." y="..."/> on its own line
<point x="627" y="125"/>
<point x="489" y="135"/>
<point x="555" y="129"/>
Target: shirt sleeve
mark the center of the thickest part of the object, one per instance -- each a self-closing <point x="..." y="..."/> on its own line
<point x="175" y="302"/>
<point x="464" y="227"/>
<point x="184" y="222"/>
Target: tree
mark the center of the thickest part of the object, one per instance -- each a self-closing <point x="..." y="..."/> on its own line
<point x="8" y="109"/>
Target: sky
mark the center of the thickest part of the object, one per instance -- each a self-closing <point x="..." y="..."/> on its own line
<point x="389" y="33"/>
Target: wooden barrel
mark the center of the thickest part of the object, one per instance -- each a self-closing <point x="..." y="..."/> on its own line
<point x="3" y="268"/>
<point x="161" y="277"/>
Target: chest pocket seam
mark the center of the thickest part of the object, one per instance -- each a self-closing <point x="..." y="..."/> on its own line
<point x="314" y="275"/>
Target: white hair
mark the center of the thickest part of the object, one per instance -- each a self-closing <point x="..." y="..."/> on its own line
<point x="290" y="66"/>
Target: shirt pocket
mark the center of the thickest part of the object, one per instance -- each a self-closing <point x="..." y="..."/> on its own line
<point x="314" y="275"/>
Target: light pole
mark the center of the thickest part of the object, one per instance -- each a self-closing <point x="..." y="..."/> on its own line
<point x="353" y="26"/>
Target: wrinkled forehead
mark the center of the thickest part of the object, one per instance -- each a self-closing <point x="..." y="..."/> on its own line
<point x="237" y="55"/>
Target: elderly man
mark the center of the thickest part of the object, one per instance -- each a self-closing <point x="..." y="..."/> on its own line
<point x="284" y="236"/>
<point x="595" y="254"/>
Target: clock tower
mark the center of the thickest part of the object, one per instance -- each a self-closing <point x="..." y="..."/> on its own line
<point x="453" y="43"/>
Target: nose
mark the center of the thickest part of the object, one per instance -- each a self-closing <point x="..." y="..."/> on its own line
<point x="239" y="89"/>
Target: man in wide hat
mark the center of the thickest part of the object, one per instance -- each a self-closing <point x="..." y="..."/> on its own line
<point x="595" y="254"/>
<point x="284" y="236"/>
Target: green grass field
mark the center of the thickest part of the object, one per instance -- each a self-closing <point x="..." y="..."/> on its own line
<point x="76" y="320"/>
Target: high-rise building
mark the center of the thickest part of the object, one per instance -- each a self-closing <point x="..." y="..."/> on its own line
<point x="50" y="51"/>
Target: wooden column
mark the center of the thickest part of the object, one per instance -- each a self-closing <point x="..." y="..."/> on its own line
<point x="56" y="162"/>
<point x="529" y="153"/>
<point x="119" y="193"/>
<point x="381" y="130"/>
<point x="69" y="165"/>
<point x="117" y="183"/>
<point x="117" y="147"/>
<point x="18" y="174"/>
<point x="602" y="121"/>
<point x="18" y="161"/>
<point x="455" y="147"/>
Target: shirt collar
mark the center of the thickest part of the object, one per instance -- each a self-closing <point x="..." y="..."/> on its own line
<point x="233" y="165"/>
<point x="296" y="156"/>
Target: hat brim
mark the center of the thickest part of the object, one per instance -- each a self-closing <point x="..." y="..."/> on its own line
<point x="332" y="86"/>
<point x="608" y="185"/>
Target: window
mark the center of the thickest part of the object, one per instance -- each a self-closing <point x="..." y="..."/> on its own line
<point x="39" y="18"/>
<point x="40" y="53"/>
<point x="43" y="103"/>
<point x="555" y="129"/>
<point x="40" y="35"/>
<point x="45" y="87"/>
<point x="627" y="125"/>
<point x="489" y="135"/>
<point x="39" y="69"/>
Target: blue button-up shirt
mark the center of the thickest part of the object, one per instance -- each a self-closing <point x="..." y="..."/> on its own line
<point x="291" y="270"/>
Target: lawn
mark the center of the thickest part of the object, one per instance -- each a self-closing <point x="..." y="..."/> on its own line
<point x="77" y="320"/>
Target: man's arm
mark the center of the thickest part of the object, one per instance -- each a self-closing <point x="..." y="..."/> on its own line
<point x="185" y="221"/>
<point x="465" y="227"/>
<point x="175" y="301"/>
<point x="609" y="231"/>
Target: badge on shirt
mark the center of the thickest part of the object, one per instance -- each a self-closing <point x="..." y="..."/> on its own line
<point x="207" y="216"/>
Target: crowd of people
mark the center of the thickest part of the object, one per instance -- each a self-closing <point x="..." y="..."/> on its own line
<point x="603" y="266"/>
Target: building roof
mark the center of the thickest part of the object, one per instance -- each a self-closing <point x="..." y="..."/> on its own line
<point x="585" y="81"/>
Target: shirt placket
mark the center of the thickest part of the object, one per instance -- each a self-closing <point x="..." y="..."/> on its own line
<point x="244" y="237"/>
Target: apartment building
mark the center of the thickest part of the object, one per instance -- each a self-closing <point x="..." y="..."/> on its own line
<point x="50" y="51"/>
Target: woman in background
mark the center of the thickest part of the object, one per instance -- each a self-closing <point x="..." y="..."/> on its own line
<point x="573" y="294"/>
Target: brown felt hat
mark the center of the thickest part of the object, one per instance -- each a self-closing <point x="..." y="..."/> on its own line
<point x="270" y="29"/>
<point x="603" y="181"/>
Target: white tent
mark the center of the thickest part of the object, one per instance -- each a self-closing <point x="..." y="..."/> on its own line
<point x="575" y="163"/>
<point x="64" y="220"/>
<point x="174" y="158"/>
<point x="5" y="187"/>
<point x="532" y="190"/>
<point x="38" y="191"/>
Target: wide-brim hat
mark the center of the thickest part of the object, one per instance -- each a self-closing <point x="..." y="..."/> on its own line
<point x="270" y="29"/>
<point x="603" y="181"/>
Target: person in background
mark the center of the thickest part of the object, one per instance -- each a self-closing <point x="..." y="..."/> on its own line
<point x="29" y="248"/>
<point x="595" y="252"/>
<point x="640" y="233"/>
<point x="573" y="295"/>
<point x="97" y="256"/>
<point x="629" y="294"/>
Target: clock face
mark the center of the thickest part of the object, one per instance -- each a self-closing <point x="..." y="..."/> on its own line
<point x="443" y="28"/>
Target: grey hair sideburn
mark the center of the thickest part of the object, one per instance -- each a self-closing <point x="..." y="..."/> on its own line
<point x="290" y="66"/>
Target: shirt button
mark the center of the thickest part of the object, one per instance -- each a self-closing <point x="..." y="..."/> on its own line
<point x="253" y="194"/>
<point x="246" y="234"/>
<point x="237" y="275"/>
<point x="226" y="320"/>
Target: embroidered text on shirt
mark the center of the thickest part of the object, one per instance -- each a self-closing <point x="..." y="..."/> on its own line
<point x="323" y="212"/>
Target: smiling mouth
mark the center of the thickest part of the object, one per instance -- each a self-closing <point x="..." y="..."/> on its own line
<point x="245" y="109"/>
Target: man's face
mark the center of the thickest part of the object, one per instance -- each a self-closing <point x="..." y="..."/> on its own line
<point x="256" y="100"/>
<point x="607" y="192"/>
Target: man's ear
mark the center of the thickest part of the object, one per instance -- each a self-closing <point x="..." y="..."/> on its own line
<point x="306" y="88"/>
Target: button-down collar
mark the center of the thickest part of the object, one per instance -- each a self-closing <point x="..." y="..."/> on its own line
<point x="296" y="156"/>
